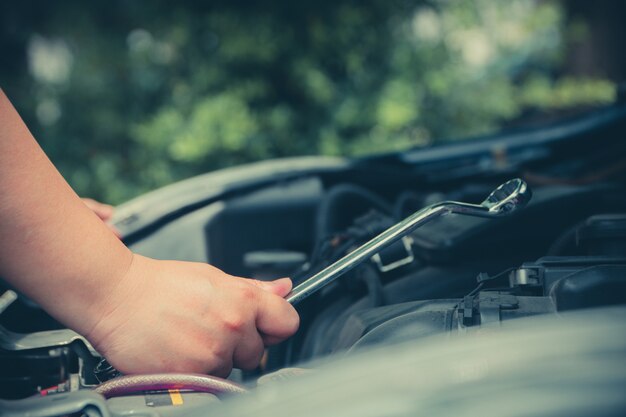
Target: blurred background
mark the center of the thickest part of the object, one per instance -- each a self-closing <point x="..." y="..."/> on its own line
<point x="128" y="96"/>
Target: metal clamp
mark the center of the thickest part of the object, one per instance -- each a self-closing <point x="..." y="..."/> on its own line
<point x="525" y="277"/>
<point x="407" y="241"/>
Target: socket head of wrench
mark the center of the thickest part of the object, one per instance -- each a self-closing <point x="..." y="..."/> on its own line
<point x="510" y="196"/>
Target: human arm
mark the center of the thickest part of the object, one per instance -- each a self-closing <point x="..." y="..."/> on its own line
<point x="144" y="315"/>
<point x="103" y="211"/>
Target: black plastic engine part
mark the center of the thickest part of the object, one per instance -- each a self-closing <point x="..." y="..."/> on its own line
<point x="598" y="280"/>
<point x="104" y="371"/>
<point x="249" y="223"/>
<point x="341" y="204"/>
<point x="409" y="321"/>
<point x="24" y="372"/>
<point x="425" y="284"/>
<point x="269" y="264"/>
<point x="595" y="286"/>
<point x="543" y="287"/>
<point x="603" y="235"/>
<point x="528" y="233"/>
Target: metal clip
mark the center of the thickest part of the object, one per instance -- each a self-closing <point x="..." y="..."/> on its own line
<point x="525" y="277"/>
<point x="407" y="241"/>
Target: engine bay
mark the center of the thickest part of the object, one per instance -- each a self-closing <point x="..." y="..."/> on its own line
<point x="455" y="275"/>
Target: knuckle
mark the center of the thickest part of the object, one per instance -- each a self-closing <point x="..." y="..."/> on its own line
<point x="235" y="323"/>
<point x="251" y="362"/>
<point x="220" y="354"/>
<point x="253" y="357"/>
<point x="257" y="352"/>
<point x="248" y="293"/>
<point x="221" y="369"/>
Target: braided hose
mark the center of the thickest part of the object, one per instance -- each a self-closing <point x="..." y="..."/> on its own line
<point x="130" y="384"/>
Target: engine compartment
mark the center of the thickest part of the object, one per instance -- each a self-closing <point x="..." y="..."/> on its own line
<point x="457" y="275"/>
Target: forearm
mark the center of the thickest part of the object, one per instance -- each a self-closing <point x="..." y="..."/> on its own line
<point x="41" y="221"/>
<point x="132" y="309"/>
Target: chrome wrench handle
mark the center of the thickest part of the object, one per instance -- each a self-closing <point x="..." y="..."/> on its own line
<point x="504" y="200"/>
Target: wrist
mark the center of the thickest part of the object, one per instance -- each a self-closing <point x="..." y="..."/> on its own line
<point x="93" y="292"/>
<point x="106" y="311"/>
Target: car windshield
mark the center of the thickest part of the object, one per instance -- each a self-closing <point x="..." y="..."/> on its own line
<point x="128" y="97"/>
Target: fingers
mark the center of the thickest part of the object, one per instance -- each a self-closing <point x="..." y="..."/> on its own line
<point x="104" y="211"/>
<point x="279" y="287"/>
<point x="275" y="329"/>
<point x="271" y="340"/>
<point x="249" y="350"/>
<point x="222" y="369"/>
<point x="276" y="318"/>
<point x="224" y="321"/>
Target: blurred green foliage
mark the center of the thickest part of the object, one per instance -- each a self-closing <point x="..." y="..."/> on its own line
<point x="129" y="96"/>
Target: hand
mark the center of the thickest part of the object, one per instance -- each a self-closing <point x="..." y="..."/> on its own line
<point x="143" y="315"/>
<point x="170" y="316"/>
<point x="103" y="211"/>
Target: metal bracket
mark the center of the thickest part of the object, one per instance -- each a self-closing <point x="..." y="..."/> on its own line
<point x="526" y="277"/>
<point x="466" y="311"/>
<point x="407" y="241"/>
<point x="487" y="306"/>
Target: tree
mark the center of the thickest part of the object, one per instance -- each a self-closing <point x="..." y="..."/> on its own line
<point x="129" y="96"/>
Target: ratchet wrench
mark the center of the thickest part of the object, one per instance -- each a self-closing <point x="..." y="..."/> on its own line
<point x="504" y="200"/>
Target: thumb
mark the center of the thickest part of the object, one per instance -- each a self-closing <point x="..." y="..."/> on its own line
<point x="279" y="287"/>
<point x="276" y="319"/>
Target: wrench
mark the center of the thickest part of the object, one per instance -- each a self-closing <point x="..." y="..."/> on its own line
<point x="504" y="200"/>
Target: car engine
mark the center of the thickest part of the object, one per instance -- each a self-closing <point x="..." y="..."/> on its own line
<point x="550" y="277"/>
